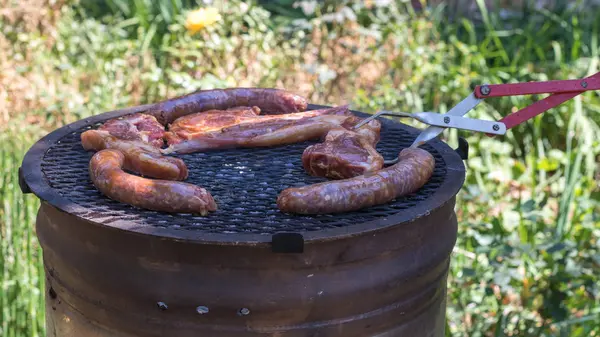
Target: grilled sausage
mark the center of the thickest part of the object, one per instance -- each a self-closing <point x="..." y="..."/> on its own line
<point x="140" y="157"/>
<point x="268" y="100"/>
<point x="408" y="175"/>
<point x="159" y="195"/>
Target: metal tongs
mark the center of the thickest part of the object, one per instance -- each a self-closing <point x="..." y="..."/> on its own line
<point x="561" y="91"/>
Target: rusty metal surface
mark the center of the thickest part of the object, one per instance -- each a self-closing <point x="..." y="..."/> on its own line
<point x="103" y="281"/>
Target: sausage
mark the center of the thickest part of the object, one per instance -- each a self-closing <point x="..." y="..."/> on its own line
<point x="268" y="100"/>
<point x="335" y="196"/>
<point x="158" y="195"/>
<point x="140" y="157"/>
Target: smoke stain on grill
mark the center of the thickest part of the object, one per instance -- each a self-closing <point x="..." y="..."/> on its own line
<point x="244" y="182"/>
<point x="52" y="293"/>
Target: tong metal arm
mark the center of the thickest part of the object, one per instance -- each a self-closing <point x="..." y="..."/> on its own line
<point x="443" y="122"/>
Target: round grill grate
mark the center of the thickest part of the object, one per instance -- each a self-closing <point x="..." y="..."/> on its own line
<point x="244" y="182"/>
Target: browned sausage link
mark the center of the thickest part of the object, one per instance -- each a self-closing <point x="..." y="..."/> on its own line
<point x="158" y="195"/>
<point x="140" y="157"/>
<point x="268" y="100"/>
<point x="408" y="175"/>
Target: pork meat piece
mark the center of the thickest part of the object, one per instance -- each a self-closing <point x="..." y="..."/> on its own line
<point x="345" y="153"/>
<point x="212" y="120"/>
<point x="215" y="131"/>
<point x="137" y="126"/>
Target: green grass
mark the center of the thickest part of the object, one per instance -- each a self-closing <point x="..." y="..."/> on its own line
<point x="21" y="271"/>
<point x="527" y="258"/>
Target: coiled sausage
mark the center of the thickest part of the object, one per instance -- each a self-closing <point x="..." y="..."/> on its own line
<point x="159" y="195"/>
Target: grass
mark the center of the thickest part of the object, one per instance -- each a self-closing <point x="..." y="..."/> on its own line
<point x="21" y="271"/>
<point x="527" y="258"/>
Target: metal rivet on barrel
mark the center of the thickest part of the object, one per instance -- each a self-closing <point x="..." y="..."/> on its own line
<point x="202" y="310"/>
<point x="244" y="312"/>
<point x="162" y="305"/>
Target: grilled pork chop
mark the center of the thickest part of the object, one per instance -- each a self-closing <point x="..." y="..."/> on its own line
<point x="345" y="153"/>
<point x="137" y="126"/>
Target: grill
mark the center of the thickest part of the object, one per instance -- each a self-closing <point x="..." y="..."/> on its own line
<point x="364" y="273"/>
<point x="244" y="182"/>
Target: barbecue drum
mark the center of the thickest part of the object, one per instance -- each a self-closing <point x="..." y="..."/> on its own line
<point x="247" y="269"/>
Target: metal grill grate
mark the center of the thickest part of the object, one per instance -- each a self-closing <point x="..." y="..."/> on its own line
<point x="244" y="182"/>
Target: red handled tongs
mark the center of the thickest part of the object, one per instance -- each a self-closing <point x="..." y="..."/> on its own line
<point x="561" y="91"/>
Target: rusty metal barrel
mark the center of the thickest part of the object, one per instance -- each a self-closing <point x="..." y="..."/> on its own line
<point x="247" y="270"/>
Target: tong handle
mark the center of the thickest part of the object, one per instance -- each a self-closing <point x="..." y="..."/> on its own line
<point x="536" y="108"/>
<point x="546" y="87"/>
<point x="560" y="90"/>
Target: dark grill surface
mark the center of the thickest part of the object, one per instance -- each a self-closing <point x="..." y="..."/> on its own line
<point x="244" y="182"/>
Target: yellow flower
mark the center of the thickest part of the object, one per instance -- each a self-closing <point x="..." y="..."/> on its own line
<point x="203" y="17"/>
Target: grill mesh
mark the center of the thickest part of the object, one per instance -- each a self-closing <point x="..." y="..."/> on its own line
<point x="244" y="182"/>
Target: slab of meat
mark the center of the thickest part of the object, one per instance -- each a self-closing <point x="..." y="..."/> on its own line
<point x="159" y="195"/>
<point x="374" y="188"/>
<point x="140" y="157"/>
<point x="256" y="131"/>
<point x="212" y="120"/>
<point x="345" y="153"/>
<point x="268" y="100"/>
<point x="137" y="126"/>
